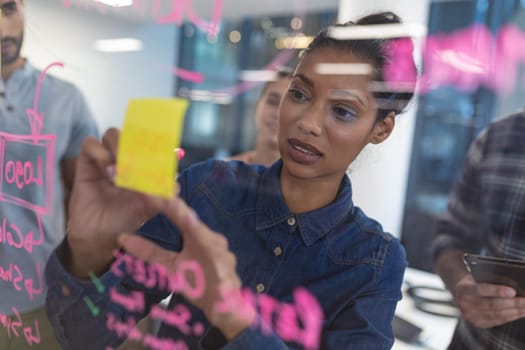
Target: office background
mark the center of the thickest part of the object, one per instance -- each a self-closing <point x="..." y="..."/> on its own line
<point x="403" y="184"/>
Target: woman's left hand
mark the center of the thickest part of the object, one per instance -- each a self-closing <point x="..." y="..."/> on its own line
<point x="220" y="298"/>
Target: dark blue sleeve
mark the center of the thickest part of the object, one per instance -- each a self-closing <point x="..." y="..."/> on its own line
<point x="79" y="312"/>
<point x="83" y="316"/>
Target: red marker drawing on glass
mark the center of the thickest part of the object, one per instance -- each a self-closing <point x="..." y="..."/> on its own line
<point x="36" y="120"/>
<point x="192" y="76"/>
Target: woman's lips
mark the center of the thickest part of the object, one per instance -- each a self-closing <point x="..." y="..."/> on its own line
<point x="302" y="152"/>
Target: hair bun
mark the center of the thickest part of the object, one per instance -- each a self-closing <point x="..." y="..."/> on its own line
<point x="379" y="18"/>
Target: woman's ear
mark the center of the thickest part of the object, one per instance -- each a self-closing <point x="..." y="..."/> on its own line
<point x="383" y="129"/>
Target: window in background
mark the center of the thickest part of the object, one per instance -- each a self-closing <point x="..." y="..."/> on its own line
<point x="219" y="121"/>
<point x="448" y="119"/>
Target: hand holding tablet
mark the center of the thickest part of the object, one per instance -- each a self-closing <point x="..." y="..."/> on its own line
<point x="487" y="269"/>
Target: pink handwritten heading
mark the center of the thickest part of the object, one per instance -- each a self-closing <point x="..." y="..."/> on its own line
<point x="300" y="322"/>
<point x="468" y="59"/>
<point x="179" y="8"/>
<point x="157" y="276"/>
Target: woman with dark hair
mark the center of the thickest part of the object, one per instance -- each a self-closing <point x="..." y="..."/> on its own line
<point x="266" y="150"/>
<point x="316" y="271"/>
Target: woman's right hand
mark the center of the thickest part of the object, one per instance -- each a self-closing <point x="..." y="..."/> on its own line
<point x="98" y="210"/>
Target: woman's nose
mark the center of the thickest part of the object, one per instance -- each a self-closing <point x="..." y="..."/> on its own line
<point x="311" y="123"/>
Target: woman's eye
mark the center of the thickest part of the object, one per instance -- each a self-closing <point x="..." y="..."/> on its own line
<point x="297" y="94"/>
<point x="344" y="113"/>
<point x="273" y="101"/>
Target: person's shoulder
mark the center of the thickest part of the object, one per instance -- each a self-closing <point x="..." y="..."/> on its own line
<point x="513" y="121"/>
<point x="247" y="157"/>
<point x="58" y="86"/>
<point x="505" y="134"/>
<point x="364" y="240"/>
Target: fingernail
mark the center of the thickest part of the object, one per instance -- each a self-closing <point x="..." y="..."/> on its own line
<point x="509" y="292"/>
<point x="122" y="239"/>
<point x="111" y="171"/>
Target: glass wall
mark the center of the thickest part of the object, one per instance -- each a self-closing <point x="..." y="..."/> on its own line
<point x="450" y="116"/>
<point x="220" y="119"/>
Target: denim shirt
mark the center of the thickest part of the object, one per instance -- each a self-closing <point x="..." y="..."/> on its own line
<point x="342" y="257"/>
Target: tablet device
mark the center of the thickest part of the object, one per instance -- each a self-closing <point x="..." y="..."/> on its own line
<point x="488" y="269"/>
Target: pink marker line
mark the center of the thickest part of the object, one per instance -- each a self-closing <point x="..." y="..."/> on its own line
<point x="212" y="27"/>
<point x="194" y="77"/>
<point x="36" y="120"/>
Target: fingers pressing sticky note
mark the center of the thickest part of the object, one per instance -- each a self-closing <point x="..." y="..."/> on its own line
<point x="146" y="161"/>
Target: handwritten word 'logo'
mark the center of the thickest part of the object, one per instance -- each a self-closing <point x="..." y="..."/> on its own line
<point x="21" y="177"/>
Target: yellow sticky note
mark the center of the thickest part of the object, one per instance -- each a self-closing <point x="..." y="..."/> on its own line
<point x="146" y="160"/>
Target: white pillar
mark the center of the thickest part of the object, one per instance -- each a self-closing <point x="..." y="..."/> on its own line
<point x="380" y="178"/>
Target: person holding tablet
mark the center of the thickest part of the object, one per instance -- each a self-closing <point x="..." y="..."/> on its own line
<point x="486" y="214"/>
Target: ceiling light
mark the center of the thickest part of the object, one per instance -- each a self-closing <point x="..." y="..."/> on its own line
<point x="293" y="42"/>
<point x="386" y="31"/>
<point x="235" y="36"/>
<point x="343" y="68"/>
<point x="296" y="23"/>
<point x="258" y="75"/>
<point x="118" y="45"/>
<point x="116" y="3"/>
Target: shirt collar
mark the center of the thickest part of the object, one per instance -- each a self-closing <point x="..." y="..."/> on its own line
<point x="272" y="210"/>
<point x="25" y="71"/>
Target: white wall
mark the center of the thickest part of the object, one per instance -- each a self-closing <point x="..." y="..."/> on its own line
<point x="108" y="81"/>
<point x="380" y="176"/>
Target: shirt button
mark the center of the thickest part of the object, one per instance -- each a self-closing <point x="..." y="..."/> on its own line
<point x="65" y="290"/>
<point x="277" y="251"/>
<point x="259" y="288"/>
<point x="291" y="221"/>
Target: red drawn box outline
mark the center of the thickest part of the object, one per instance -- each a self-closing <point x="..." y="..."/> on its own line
<point x="49" y="144"/>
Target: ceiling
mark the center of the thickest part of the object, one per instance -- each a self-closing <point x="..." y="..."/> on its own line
<point x="232" y="9"/>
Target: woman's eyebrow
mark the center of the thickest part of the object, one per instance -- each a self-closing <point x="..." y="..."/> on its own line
<point x="306" y="80"/>
<point x="347" y="94"/>
<point x="274" y="95"/>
